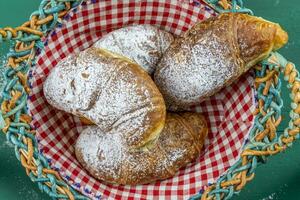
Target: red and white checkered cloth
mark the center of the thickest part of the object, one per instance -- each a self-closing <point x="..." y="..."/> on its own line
<point x="229" y="113"/>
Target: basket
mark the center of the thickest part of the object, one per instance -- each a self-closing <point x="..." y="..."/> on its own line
<point x="37" y="130"/>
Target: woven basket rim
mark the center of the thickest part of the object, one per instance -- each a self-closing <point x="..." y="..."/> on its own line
<point x="238" y="175"/>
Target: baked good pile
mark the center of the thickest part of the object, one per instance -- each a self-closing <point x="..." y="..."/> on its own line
<point x="133" y="89"/>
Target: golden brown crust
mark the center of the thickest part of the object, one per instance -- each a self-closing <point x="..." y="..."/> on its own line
<point x="86" y="121"/>
<point x="257" y="37"/>
<point x="178" y="144"/>
<point x="213" y="54"/>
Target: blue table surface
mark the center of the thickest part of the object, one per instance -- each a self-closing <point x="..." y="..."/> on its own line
<point x="279" y="179"/>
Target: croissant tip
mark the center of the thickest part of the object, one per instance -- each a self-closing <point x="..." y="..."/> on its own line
<point x="281" y="38"/>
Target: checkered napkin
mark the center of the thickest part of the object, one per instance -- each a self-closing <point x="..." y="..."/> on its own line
<point x="229" y="113"/>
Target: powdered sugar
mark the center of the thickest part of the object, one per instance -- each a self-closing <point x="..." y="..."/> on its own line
<point x="145" y="44"/>
<point x="101" y="150"/>
<point x="108" y="157"/>
<point x="198" y="65"/>
<point x="66" y="85"/>
<point x="106" y="91"/>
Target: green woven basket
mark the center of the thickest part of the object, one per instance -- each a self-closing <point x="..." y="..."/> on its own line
<point x="15" y="120"/>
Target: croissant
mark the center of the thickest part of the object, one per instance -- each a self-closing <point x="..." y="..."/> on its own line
<point x="107" y="157"/>
<point x="144" y="44"/>
<point x="213" y="54"/>
<point x="110" y="91"/>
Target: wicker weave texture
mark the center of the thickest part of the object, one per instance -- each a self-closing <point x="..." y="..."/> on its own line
<point x="14" y="118"/>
